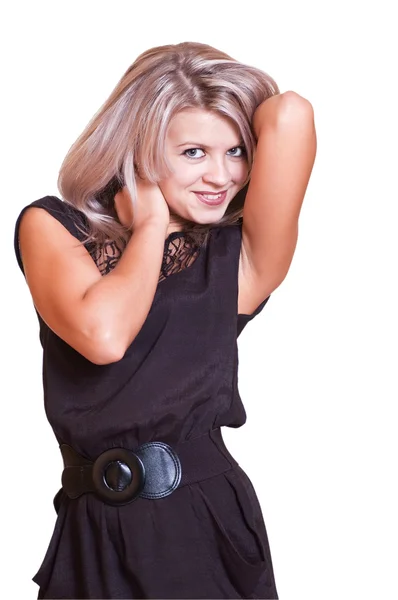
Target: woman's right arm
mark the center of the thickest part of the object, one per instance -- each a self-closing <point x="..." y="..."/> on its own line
<point x="99" y="316"/>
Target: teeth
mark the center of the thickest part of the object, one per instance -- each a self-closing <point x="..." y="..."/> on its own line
<point x="211" y="197"/>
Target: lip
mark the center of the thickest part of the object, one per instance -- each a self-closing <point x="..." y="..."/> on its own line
<point x="209" y="192"/>
<point x="217" y="202"/>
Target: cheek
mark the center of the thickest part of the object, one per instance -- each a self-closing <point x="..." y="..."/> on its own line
<point x="181" y="179"/>
<point x="174" y="189"/>
<point x="241" y="172"/>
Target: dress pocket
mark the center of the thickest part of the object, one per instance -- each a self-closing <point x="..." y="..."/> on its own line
<point x="232" y="530"/>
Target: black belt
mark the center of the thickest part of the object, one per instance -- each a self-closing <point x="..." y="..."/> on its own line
<point x="153" y="470"/>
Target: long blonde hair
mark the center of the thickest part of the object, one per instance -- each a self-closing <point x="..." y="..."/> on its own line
<point x="130" y="129"/>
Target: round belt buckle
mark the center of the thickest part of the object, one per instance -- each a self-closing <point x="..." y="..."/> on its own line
<point x="118" y="476"/>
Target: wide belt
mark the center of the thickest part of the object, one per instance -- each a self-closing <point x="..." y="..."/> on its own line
<point x="153" y="470"/>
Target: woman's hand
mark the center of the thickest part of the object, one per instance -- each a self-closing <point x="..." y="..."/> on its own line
<point x="151" y="205"/>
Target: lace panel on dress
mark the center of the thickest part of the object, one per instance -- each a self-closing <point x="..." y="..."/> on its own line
<point x="108" y="261"/>
<point x="180" y="251"/>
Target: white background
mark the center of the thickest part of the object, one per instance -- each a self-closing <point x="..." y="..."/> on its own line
<point x="318" y="366"/>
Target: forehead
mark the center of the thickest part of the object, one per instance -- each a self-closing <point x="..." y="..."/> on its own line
<point x="199" y="124"/>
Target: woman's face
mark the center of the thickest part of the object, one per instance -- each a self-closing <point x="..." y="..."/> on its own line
<point x="207" y="156"/>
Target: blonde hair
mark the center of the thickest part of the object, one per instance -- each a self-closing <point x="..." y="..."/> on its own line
<point x="130" y="129"/>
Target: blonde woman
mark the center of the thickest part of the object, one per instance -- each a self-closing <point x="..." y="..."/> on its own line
<point x="178" y="218"/>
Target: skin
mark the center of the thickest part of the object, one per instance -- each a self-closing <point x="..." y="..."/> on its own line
<point x="285" y="153"/>
<point x="93" y="313"/>
<point x="214" y="162"/>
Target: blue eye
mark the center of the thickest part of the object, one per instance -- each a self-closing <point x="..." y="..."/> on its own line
<point x="192" y="150"/>
<point x="241" y="152"/>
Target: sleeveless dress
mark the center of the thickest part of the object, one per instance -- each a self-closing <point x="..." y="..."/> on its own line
<point x="176" y="381"/>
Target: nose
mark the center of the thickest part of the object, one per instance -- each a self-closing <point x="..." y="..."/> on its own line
<point x="217" y="173"/>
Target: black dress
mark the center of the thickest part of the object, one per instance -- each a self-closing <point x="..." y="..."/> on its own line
<point x="177" y="380"/>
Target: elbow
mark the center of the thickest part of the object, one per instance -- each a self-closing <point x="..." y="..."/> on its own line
<point x="106" y="343"/>
<point x="105" y="357"/>
<point x="104" y="350"/>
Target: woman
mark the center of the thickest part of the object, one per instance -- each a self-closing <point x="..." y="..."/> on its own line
<point x="140" y="369"/>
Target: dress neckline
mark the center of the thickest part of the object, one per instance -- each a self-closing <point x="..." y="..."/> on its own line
<point x="174" y="234"/>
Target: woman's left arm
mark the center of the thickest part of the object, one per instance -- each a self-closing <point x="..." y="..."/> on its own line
<point x="285" y="154"/>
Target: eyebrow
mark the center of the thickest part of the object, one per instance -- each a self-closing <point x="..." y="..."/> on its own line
<point x="199" y="145"/>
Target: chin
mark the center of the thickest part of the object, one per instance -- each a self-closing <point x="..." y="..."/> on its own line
<point x="205" y="219"/>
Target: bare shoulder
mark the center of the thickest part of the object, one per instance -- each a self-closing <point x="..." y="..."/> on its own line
<point x="58" y="270"/>
<point x="55" y="262"/>
<point x="39" y="228"/>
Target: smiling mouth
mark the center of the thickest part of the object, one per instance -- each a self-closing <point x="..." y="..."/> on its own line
<point x="211" y="199"/>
